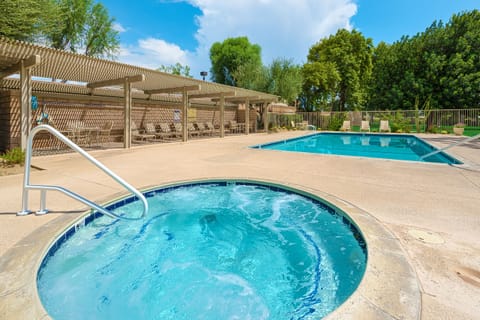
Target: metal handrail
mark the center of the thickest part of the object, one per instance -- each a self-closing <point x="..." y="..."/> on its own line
<point x="43" y="188"/>
<point x="450" y="146"/>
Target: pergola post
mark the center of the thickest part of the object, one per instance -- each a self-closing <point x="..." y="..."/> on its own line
<point x="25" y="66"/>
<point x="185" y="115"/>
<point x="265" y="116"/>
<point x="247" y="116"/>
<point x="222" y="115"/>
<point x="127" y="95"/>
<point x="127" y="135"/>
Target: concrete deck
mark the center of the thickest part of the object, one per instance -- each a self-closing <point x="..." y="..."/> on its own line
<point x="421" y="221"/>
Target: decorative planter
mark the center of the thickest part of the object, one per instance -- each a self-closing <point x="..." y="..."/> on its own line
<point x="458" y="131"/>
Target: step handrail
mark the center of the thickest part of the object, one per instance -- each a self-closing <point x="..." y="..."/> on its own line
<point x="450" y="146"/>
<point x="43" y="188"/>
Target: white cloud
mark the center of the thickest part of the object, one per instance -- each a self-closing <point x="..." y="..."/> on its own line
<point x="152" y="53"/>
<point x="118" y="27"/>
<point x="282" y="28"/>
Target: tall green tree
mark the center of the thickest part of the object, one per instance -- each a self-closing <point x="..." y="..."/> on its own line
<point x="177" y="69"/>
<point x="227" y="56"/>
<point x="84" y="27"/>
<point x="25" y="20"/>
<point x="347" y="54"/>
<point x="440" y="65"/>
<point x="284" y="80"/>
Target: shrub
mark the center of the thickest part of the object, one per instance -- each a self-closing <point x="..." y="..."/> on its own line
<point x="14" y="156"/>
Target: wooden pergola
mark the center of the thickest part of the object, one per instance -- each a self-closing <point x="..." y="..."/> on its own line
<point x="69" y="74"/>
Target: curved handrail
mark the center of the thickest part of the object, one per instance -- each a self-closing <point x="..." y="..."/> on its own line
<point x="450" y="146"/>
<point x="27" y="186"/>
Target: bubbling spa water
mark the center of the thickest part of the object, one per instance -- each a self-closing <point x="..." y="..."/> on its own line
<point x="217" y="250"/>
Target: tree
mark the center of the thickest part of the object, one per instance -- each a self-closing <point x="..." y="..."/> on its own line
<point x="228" y="56"/>
<point x="81" y="25"/>
<point x="347" y="56"/>
<point x="320" y="86"/>
<point x="284" y="80"/>
<point x="177" y="69"/>
<point x="25" y="20"/>
<point x="252" y="76"/>
<point x="440" y="65"/>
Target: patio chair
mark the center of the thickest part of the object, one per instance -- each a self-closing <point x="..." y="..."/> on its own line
<point x="178" y="129"/>
<point x="137" y="135"/>
<point x="209" y="125"/>
<point x="192" y="130"/>
<point x="150" y="129"/>
<point x="233" y="126"/>
<point x="365" y="126"/>
<point x="105" y="131"/>
<point x="76" y="132"/>
<point x="166" y="131"/>
<point x="384" y="126"/>
<point x="346" y="126"/>
<point x="202" y="128"/>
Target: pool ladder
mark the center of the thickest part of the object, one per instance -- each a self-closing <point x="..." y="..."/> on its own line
<point x="43" y="188"/>
<point x="450" y="146"/>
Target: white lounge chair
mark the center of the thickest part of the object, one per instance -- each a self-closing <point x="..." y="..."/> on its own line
<point x="346" y="126"/>
<point x="384" y="126"/>
<point x="365" y="126"/>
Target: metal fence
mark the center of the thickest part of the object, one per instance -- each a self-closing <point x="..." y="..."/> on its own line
<point x="434" y="121"/>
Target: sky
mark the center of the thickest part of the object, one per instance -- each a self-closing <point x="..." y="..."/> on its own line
<point x="163" y="32"/>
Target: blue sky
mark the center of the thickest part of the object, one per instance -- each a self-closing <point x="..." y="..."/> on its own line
<point x="163" y="32"/>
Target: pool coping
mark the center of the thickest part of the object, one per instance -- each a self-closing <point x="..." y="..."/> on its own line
<point x="389" y="289"/>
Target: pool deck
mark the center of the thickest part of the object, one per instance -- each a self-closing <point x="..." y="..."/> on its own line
<point x="421" y="221"/>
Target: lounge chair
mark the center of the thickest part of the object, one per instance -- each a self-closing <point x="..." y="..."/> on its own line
<point x="384" y="126"/>
<point x="150" y="129"/>
<point x="137" y="135"/>
<point x="346" y="126"/>
<point x="166" y="131"/>
<point x="209" y="125"/>
<point x="105" y="131"/>
<point x="192" y="130"/>
<point x="233" y="126"/>
<point x="202" y="128"/>
<point x="365" y="126"/>
<point x="178" y="129"/>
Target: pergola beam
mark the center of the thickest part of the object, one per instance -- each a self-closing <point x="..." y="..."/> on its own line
<point x="239" y="99"/>
<point x="116" y="82"/>
<point x="213" y="95"/>
<point x="31" y="61"/>
<point x="196" y="87"/>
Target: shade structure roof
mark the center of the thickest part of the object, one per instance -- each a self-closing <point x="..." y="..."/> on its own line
<point x="81" y="74"/>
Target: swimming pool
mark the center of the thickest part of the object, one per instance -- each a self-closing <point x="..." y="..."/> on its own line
<point x="385" y="146"/>
<point x="211" y="250"/>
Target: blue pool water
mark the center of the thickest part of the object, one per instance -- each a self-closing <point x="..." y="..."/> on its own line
<point x="392" y="146"/>
<point x="216" y="250"/>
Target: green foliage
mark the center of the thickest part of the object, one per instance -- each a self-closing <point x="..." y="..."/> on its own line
<point x="440" y="64"/>
<point x="80" y="24"/>
<point x="285" y="80"/>
<point x="14" y="156"/>
<point x="339" y="67"/>
<point x="226" y="57"/>
<point x="73" y="25"/>
<point x="336" y="121"/>
<point x="24" y="20"/>
<point x="251" y="75"/>
<point x="177" y="69"/>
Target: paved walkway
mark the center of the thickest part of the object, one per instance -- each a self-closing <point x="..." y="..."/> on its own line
<point x="429" y="212"/>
